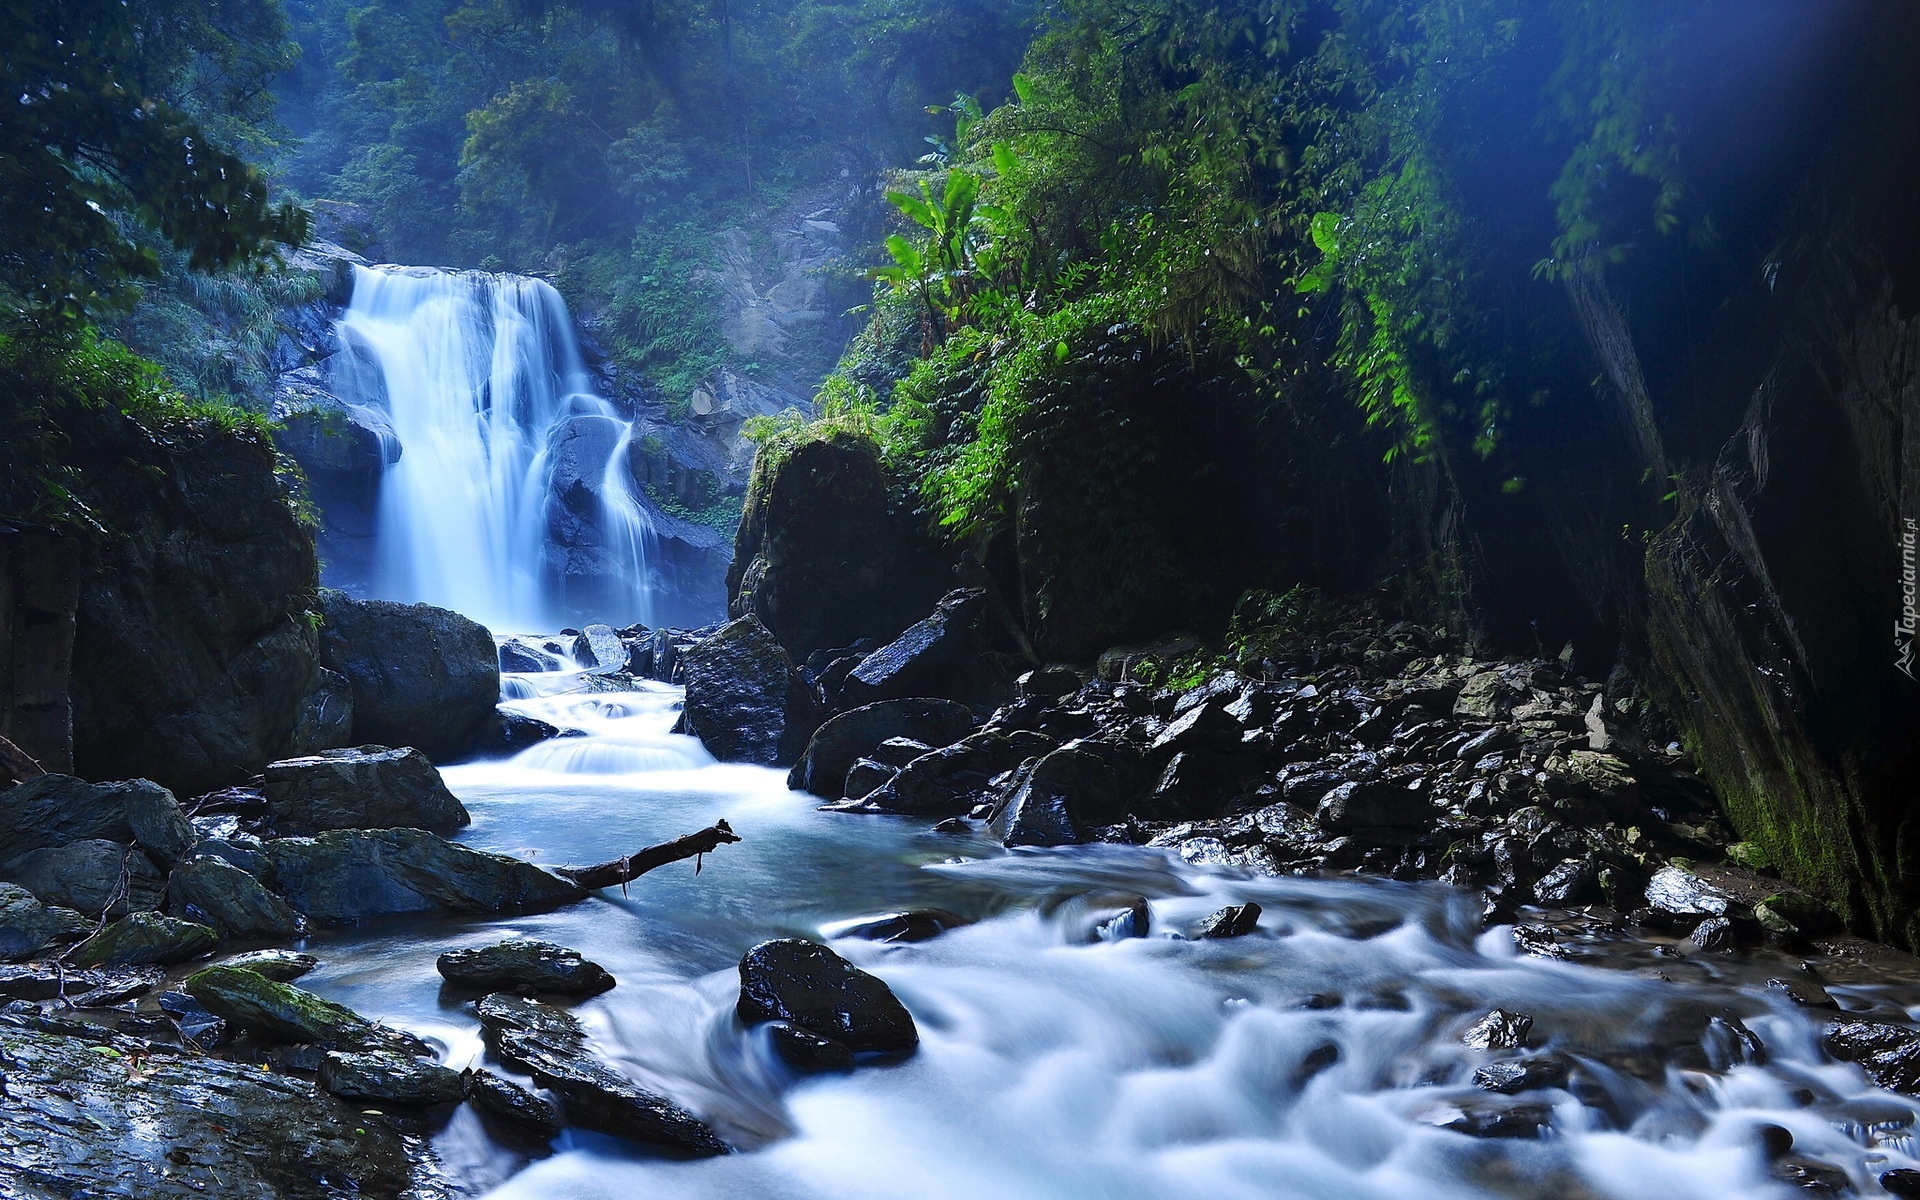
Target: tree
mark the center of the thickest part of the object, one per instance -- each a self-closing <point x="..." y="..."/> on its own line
<point x="95" y="169"/>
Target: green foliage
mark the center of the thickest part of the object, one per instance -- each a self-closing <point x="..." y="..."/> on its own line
<point x="95" y="169"/>
<point x="214" y="333"/>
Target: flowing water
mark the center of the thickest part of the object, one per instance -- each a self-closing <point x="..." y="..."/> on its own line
<point x="482" y="379"/>
<point x="1309" y="1060"/>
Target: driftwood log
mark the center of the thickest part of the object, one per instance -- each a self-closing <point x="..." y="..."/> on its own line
<point x="623" y="871"/>
<point x="17" y="764"/>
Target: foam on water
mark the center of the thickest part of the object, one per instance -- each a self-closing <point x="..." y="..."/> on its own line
<point x="1309" y="1061"/>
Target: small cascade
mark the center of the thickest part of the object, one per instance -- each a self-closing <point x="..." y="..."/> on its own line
<point x="501" y="435"/>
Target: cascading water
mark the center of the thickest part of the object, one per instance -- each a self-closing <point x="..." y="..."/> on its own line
<point x="482" y="379"/>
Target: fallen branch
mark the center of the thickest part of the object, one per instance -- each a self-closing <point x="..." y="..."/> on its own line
<point x="623" y="871"/>
<point x="17" y="763"/>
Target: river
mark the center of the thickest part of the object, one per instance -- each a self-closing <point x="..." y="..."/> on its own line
<point x="1315" y="1059"/>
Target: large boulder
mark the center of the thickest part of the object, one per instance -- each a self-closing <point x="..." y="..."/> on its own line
<point x="919" y="661"/>
<point x="396" y="1078"/>
<point x="145" y="939"/>
<point x="369" y="787"/>
<point x="950" y="781"/>
<point x="823" y="555"/>
<point x="813" y="989"/>
<point x="53" y="810"/>
<point x="349" y="874"/>
<point x="92" y="877"/>
<point x="549" y="1044"/>
<point x="421" y="676"/>
<point x="182" y="1126"/>
<point x="215" y="892"/>
<point x="27" y="926"/>
<point x="852" y="735"/>
<point x="745" y="702"/>
<point x="1082" y="785"/>
<point x="290" y="1014"/>
<point x="524" y="965"/>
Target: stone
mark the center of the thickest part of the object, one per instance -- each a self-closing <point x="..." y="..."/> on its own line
<point x="1575" y="881"/>
<point x="52" y="981"/>
<point x="80" y="1122"/>
<point x="858" y="733"/>
<point x="865" y="777"/>
<point x="508" y="1101"/>
<point x="1082" y="785"/>
<point x="1890" y="1054"/>
<point x="1523" y="1074"/>
<point x="281" y="966"/>
<point x="50" y="811"/>
<point x="326" y="716"/>
<point x="897" y="752"/>
<point x="918" y="925"/>
<point x="518" y="657"/>
<point x="919" y="661"/>
<point x="1047" y="683"/>
<point x="1714" y="934"/>
<point x="1793" y="914"/>
<point x="197" y="1027"/>
<point x="1493" y="1120"/>
<point x="745" y="702"/>
<point x="808" y="1052"/>
<point x="1205" y="726"/>
<point x="146" y="939"/>
<point x="514" y="732"/>
<point x="289" y="1014"/>
<point x="1119" y="664"/>
<point x="948" y="782"/>
<point x="394" y="1078"/>
<point x="421" y="676"/>
<point x="1676" y="890"/>
<point x="349" y="874"/>
<point x="1902" y="1181"/>
<point x="1487" y="696"/>
<point x="157" y="822"/>
<point x="813" y="989"/>
<point x="600" y="650"/>
<point x="366" y="787"/>
<point x="1377" y="805"/>
<point x="90" y="877"/>
<point x="1605" y="777"/>
<point x="1811" y="1175"/>
<point x="549" y="1044"/>
<point x="1499" y="1030"/>
<point x="28" y="927"/>
<point x="1235" y="920"/>
<point x="527" y="965"/>
<point x="217" y="893"/>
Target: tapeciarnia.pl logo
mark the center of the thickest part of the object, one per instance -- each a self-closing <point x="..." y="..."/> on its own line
<point x="1903" y="629"/>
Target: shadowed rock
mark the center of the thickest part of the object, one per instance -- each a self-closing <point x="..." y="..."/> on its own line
<point x="252" y="1001"/>
<point x="812" y="988"/>
<point x="217" y="893"/>
<point x="366" y="787"/>
<point x="530" y="965"/>
<point x="858" y="733"/>
<point x="349" y="874"/>
<point x="146" y="939"/>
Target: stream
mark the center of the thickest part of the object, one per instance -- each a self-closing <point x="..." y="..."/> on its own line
<point x="1317" y="1058"/>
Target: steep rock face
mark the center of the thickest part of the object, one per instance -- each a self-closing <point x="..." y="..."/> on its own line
<point x="421" y="676"/>
<point x="194" y="656"/>
<point x="822" y="557"/>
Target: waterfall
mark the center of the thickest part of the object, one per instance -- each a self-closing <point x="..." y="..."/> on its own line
<point x="503" y="445"/>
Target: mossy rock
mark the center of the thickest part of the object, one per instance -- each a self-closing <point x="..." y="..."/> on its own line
<point x="146" y="939"/>
<point x="252" y="1001"/>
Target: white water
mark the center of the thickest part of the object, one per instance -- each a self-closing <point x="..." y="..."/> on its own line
<point x="478" y="374"/>
<point x="1146" y="1069"/>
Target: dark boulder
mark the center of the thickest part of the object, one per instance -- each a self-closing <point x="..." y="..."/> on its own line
<point x="519" y="657"/>
<point x="1499" y="1030"/>
<point x="53" y="810"/>
<point x="1523" y="1074"/>
<point x="745" y="702"/>
<point x="146" y="939"/>
<point x="919" y="925"/>
<point x="922" y="659"/>
<point x="28" y="927"/>
<point x="549" y="1044"/>
<point x="859" y="732"/>
<point x="1235" y="920"/>
<point x="367" y="787"/>
<point x="349" y="874"/>
<point x="524" y="1111"/>
<point x="823" y="555"/>
<point x="281" y="966"/>
<point x="1376" y="806"/>
<point x="950" y="781"/>
<point x="396" y="1078"/>
<point x="813" y="989"/>
<point x="528" y="966"/>
<point x="215" y="892"/>
<point x="865" y="777"/>
<point x="80" y="987"/>
<point x="91" y="877"/>
<point x="421" y="676"/>
<point x="290" y="1014"/>
<point x="1081" y="785"/>
<point x="1890" y="1054"/>
<point x="809" y="1052"/>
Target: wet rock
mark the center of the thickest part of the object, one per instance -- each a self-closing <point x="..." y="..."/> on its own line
<point x="917" y="926"/>
<point x="1810" y="1175"/>
<point x="520" y="1108"/>
<point x="1805" y="992"/>
<point x="90" y="877"/>
<point x="1205" y="726"/>
<point x="1676" y="890"/>
<point x="956" y="824"/>
<point x="1523" y="1074"/>
<point x="1047" y="683"/>
<point x="1793" y="914"/>
<point x="1488" y="695"/>
<point x="1904" y="1181"/>
<point x="514" y="732"/>
<point x="531" y="966"/>
<point x="1890" y="1054"/>
<point x="50" y="811"/>
<point x="745" y="702"/>
<point x="549" y="1044"/>
<point x="1493" y="1120"/>
<point x="814" y="989"/>
<point x="397" y="1078"/>
<point x="146" y="939"/>
<point x="421" y="676"/>
<point x="366" y="787"/>
<point x="215" y="892"/>
<point x="51" y="981"/>
<point x="28" y="927"/>
<point x="1499" y="1030"/>
<point x="1352" y="807"/>
<point x="919" y="661"/>
<point x="197" y="1026"/>
<point x="897" y="752"/>
<point x="80" y="1123"/>
<point x="281" y="966"/>
<point x="520" y="658"/>
<point x="289" y="1014"/>
<point x="1082" y="785"/>
<point x="859" y="732"/>
<point x="1199" y="784"/>
<point x="599" y="649"/>
<point x="1574" y="881"/>
<point x="156" y="820"/>
<point x="1538" y="940"/>
<point x="1715" y="934"/>
<point x="1235" y="920"/>
<point x="349" y="874"/>
<point x="865" y="777"/>
<point x="950" y="781"/>
<point x="808" y="1052"/>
